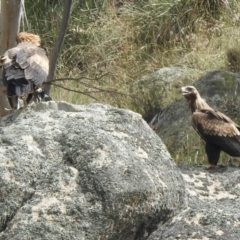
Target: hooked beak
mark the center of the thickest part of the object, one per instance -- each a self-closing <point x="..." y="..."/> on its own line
<point x="2" y="59"/>
<point x="184" y="91"/>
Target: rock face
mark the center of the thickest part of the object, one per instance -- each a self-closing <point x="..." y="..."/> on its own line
<point x="154" y="90"/>
<point x="84" y="172"/>
<point x="220" y="89"/>
<point x="213" y="207"/>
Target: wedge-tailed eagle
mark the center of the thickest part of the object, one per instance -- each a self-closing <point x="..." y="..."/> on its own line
<point x="218" y="131"/>
<point x="25" y="69"/>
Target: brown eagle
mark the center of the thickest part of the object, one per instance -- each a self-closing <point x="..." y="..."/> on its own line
<point x="218" y="131"/>
<point x="25" y="68"/>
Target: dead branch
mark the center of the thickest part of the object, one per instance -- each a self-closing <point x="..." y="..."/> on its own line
<point x="99" y="89"/>
<point x="59" y="42"/>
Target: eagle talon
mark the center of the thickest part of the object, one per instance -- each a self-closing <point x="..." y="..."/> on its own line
<point x="209" y="167"/>
<point x="216" y="168"/>
<point x="39" y="90"/>
<point x="8" y="110"/>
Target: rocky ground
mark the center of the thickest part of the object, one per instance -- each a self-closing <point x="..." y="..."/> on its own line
<point x="100" y="172"/>
<point x="213" y="206"/>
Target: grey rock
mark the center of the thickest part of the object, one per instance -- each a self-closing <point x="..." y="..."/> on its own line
<point x="84" y="172"/>
<point x="155" y="90"/>
<point x="175" y="74"/>
<point x="213" y="207"/>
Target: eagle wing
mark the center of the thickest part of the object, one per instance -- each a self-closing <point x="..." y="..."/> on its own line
<point x="26" y="61"/>
<point x="218" y="131"/>
<point x="208" y="122"/>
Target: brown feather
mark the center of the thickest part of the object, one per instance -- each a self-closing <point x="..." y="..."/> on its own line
<point x="30" y="59"/>
<point x="218" y="131"/>
<point x="25" y="69"/>
<point x="215" y="125"/>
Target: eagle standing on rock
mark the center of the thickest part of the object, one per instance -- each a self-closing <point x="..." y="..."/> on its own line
<point x="25" y="68"/>
<point x="218" y="131"/>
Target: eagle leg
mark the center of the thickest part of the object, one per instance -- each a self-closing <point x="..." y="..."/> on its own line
<point x="29" y="98"/>
<point x="213" y="154"/>
<point x="13" y="101"/>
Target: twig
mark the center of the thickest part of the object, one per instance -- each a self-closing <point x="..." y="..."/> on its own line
<point x="71" y="90"/>
<point x="86" y="85"/>
<point x="75" y="79"/>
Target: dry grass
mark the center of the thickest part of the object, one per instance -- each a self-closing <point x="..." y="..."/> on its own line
<point x="124" y="42"/>
<point x="133" y="40"/>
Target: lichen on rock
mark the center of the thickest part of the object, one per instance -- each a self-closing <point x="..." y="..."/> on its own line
<point x="84" y="172"/>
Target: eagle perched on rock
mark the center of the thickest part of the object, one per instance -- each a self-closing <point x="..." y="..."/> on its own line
<point x="25" y="68"/>
<point x="218" y="131"/>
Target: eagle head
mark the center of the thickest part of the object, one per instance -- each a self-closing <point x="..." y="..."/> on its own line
<point x="189" y="92"/>
<point x="195" y="101"/>
<point x="28" y="37"/>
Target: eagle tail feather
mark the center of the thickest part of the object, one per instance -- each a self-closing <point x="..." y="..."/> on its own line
<point x="20" y="87"/>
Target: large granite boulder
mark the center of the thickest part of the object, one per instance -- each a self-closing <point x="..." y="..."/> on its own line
<point x="84" y="172"/>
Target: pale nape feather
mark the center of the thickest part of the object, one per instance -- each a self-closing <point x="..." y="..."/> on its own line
<point x="200" y="103"/>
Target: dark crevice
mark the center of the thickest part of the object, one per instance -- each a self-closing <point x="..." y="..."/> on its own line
<point x="4" y="223"/>
<point x="151" y="224"/>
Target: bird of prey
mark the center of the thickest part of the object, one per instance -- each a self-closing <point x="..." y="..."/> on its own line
<point x="25" y="69"/>
<point x="218" y="131"/>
